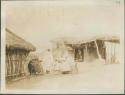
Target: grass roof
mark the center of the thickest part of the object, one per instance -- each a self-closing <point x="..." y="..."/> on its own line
<point x="15" y="42"/>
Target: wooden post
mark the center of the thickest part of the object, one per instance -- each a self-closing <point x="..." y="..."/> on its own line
<point x="86" y="49"/>
<point x="9" y="65"/>
<point x="13" y="63"/>
<point x="83" y="53"/>
<point x="23" y="57"/>
<point x="21" y="61"/>
<point x="86" y="53"/>
<point x="74" y="52"/>
<point x="97" y="49"/>
<point x="111" y="53"/>
<point x="17" y="63"/>
<point x="18" y="66"/>
<point x="114" y="53"/>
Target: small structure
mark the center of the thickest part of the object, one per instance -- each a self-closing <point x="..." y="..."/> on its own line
<point x="17" y="50"/>
<point x="112" y="50"/>
<point x="102" y="47"/>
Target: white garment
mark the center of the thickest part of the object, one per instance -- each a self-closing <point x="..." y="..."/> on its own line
<point x="65" y="62"/>
<point x="57" y="65"/>
<point x="48" y="61"/>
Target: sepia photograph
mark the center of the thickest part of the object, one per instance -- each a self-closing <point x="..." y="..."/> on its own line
<point x="62" y="47"/>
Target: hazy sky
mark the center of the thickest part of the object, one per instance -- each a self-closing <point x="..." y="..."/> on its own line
<point x="40" y="21"/>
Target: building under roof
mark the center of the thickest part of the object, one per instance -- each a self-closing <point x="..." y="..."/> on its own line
<point x="17" y="50"/>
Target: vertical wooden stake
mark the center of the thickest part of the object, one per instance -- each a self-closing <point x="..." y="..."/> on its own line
<point x="97" y="49"/>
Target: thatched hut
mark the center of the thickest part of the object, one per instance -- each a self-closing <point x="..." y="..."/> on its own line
<point x="17" y="49"/>
<point x="102" y="47"/>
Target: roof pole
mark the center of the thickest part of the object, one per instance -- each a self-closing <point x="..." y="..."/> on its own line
<point x="97" y="49"/>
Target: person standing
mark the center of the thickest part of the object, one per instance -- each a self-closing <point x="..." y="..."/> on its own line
<point x="30" y="67"/>
<point x="48" y="61"/>
<point x="65" y="63"/>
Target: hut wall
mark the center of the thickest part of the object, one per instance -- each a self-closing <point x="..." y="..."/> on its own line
<point x="112" y="52"/>
<point x="79" y="54"/>
<point x="15" y="60"/>
<point x="90" y="52"/>
<point x="102" y="49"/>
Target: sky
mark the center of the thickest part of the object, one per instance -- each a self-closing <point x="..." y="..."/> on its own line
<point x="41" y="21"/>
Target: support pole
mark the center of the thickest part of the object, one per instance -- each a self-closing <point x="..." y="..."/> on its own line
<point x="86" y="53"/>
<point x="74" y="52"/>
<point x="97" y="49"/>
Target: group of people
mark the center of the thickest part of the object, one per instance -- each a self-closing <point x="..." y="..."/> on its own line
<point x="35" y="67"/>
<point x="64" y="63"/>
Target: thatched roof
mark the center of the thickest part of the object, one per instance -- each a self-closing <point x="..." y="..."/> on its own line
<point x="109" y="38"/>
<point x="15" y="42"/>
<point x="78" y="41"/>
<point x="67" y="40"/>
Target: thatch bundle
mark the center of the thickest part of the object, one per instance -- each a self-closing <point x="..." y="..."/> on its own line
<point x="82" y="40"/>
<point x="15" y="42"/>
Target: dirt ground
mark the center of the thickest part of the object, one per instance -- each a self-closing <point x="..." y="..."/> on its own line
<point x="91" y="78"/>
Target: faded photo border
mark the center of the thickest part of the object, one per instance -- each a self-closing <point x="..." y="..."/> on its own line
<point x="2" y="65"/>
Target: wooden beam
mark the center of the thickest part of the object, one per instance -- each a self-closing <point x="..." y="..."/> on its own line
<point x="97" y="49"/>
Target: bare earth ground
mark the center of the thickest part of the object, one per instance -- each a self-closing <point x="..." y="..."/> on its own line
<point x="91" y="78"/>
